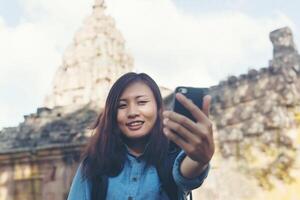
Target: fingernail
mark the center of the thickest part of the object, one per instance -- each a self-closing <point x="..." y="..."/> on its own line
<point x="207" y="97"/>
<point x="180" y="95"/>
<point x="165" y="130"/>
<point x="165" y="121"/>
<point x="166" y="113"/>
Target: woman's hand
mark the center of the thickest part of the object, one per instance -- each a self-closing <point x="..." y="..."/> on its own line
<point x="195" y="138"/>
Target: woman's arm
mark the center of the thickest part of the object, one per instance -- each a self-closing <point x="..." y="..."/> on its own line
<point x="186" y="184"/>
<point x="195" y="138"/>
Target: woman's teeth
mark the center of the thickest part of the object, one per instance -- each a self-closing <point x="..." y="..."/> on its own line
<point x="135" y="123"/>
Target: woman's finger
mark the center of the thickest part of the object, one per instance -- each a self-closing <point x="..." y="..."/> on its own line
<point x="190" y="106"/>
<point x="206" y="104"/>
<point x="198" y="129"/>
<point x="176" y="139"/>
<point x="181" y="131"/>
<point x="181" y="119"/>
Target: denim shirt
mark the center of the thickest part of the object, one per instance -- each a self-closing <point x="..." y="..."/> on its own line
<point x="137" y="182"/>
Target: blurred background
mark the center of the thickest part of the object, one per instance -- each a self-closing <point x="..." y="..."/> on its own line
<point x="59" y="58"/>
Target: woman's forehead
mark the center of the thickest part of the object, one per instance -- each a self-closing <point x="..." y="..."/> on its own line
<point x="137" y="90"/>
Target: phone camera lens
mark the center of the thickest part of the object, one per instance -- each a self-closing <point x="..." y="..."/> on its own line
<point x="182" y="90"/>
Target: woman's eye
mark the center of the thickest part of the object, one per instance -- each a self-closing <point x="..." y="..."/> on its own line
<point x="120" y="106"/>
<point x="142" y="102"/>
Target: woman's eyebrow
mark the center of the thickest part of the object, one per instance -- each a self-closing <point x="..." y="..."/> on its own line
<point x="142" y="96"/>
<point x="136" y="97"/>
<point x="122" y="100"/>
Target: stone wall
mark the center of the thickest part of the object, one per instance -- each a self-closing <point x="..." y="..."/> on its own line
<point x="256" y="128"/>
<point x="42" y="174"/>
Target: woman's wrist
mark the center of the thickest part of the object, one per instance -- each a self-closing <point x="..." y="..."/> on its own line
<point x="190" y="168"/>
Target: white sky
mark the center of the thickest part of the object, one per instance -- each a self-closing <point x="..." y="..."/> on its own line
<point x="178" y="42"/>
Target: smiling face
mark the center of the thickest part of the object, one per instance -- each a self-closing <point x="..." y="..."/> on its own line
<point x="137" y="111"/>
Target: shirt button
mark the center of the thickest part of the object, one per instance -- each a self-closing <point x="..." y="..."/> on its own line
<point x="134" y="179"/>
<point x="130" y="198"/>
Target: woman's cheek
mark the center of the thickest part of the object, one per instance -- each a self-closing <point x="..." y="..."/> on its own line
<point x="121" y="116"/>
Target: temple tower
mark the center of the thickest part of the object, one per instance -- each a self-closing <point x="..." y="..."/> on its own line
<point x="94" y="60"/>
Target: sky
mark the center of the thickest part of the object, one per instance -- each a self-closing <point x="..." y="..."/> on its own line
<point x="177" y="42"/>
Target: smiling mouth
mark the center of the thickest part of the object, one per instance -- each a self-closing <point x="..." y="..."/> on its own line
<point x="135" y="125"/>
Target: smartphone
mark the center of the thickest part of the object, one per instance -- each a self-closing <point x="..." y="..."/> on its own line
<point x="192" y="93"/>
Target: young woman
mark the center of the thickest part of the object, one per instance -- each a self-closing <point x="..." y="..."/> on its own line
<point x="138" y="151"/>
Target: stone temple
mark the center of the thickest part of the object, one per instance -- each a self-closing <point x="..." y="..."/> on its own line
<point x="256" y="116"/>
<point x="92" y="63"/>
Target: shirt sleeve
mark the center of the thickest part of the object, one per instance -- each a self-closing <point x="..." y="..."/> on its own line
<point x="186" y="184"/>
<point x="80" y="187"/>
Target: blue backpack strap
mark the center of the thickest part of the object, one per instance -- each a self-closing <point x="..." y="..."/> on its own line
<point x="166" y="177"/>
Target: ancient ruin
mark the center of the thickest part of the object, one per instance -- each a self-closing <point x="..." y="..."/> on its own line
<point x="92" y="63"/>
<point x="256" y="124"/>
<point x="256" y="118"/>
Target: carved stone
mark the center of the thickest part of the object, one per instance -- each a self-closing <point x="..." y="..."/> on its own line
<point x="92" y="63"/>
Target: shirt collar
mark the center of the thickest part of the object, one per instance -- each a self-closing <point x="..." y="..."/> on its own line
<point x="137" y="157"/>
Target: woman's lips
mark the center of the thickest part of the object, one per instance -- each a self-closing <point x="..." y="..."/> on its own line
<point x="135" y="125"/>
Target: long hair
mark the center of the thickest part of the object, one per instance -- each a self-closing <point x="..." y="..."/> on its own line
<point x="106" y="153"/>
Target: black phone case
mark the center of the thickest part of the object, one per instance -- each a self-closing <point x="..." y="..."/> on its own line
<point x="194" y="94"/>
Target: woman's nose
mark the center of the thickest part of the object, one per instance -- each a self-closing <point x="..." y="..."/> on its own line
<point x="133" y="111"/>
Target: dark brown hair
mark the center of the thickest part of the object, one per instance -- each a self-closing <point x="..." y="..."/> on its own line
<point x="106" y="152"/>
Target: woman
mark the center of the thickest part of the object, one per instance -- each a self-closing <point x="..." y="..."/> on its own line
<point x="130" y="156"/>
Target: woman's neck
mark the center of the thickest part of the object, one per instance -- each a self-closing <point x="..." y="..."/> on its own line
<point x="136" y="147"/>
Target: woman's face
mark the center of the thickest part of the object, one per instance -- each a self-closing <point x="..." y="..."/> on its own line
<point x="137" y="111"/>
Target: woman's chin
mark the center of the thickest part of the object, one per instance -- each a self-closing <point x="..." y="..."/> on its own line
<point x="136" y="136"/>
